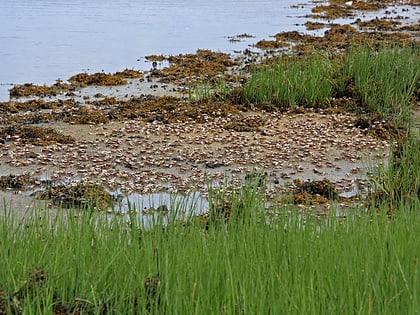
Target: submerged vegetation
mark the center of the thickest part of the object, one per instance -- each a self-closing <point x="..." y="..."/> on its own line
<point x="79" y="195"/>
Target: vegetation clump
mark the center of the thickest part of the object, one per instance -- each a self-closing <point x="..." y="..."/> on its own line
<point x="338" y="38"/>
<point x="270" y="44"/>
<point x="100" y="79"/>
<point x="14" y="181"/>
<point x="157" y="58"/>
<point x="310" y="26"/>
<point x="312" y="192"/>
<point x="80" y="195"/>
<point x="398" y="184"/>
<point x="168" y="109"/>
<point x="378" y="126"/>
<point x="129" y="74"/>
<point x="34" y="111"/>
<point x="245" y="123"/>
<point x="78" y="80"/>
<point x="35" y="284"/>
<point x="360" y="77"/>
<point x="33" y="135"/>
<point x="323" y="188"/>
<point x="31" y="105"/>
<point x="290" y="82"/>
<point x="14" y="303"/>
<point x="379" y="24"/>
<point x="339" y="9"/>
<point x="198" y="67"/>
<point x="29" y="89"/>
<point x="85" y="115"/>
<point x="104" y="79"/>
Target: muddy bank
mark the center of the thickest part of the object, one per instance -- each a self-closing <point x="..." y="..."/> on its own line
<point x="157" y="156"/>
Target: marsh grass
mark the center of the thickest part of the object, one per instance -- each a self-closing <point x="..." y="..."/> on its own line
<point x="399" y="182"/>
<point x="379" y="81"/>
<point x="384" y="80"/>
<point x="215" y="88"/>
<point x="292" y="81"/>
<point x="297" y="264"/>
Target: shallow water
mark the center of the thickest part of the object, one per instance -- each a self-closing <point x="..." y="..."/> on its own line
<point x="41" y="41"/>
<point x="145" y="208"/>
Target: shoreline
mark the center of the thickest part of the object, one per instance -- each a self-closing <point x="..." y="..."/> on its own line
<point x="400" y="12"/>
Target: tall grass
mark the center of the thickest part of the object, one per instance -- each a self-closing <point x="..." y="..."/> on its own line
<point x="295" y="265"/>
<point x="292" y="81"/>
<point x="380" y="81"/>
<point x="399" y="182"/>
<point x="384" y="80"/>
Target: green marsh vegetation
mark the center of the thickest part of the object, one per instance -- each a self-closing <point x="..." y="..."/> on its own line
<point x="378" y="81"/>
<point x="233" y="264"/>
<point x="236" y="260"/>
<point x="291" y="81"/>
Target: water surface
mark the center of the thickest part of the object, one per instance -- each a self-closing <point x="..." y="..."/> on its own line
<point x="41" y="41"/>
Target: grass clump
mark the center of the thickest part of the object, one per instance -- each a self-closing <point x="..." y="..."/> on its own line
<point x="399" y="182"/>
<point x="383" y="81"/>
<point x="292" y="81"/>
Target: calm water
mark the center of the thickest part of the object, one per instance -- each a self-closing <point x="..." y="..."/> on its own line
<point x="43" y="40"/>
